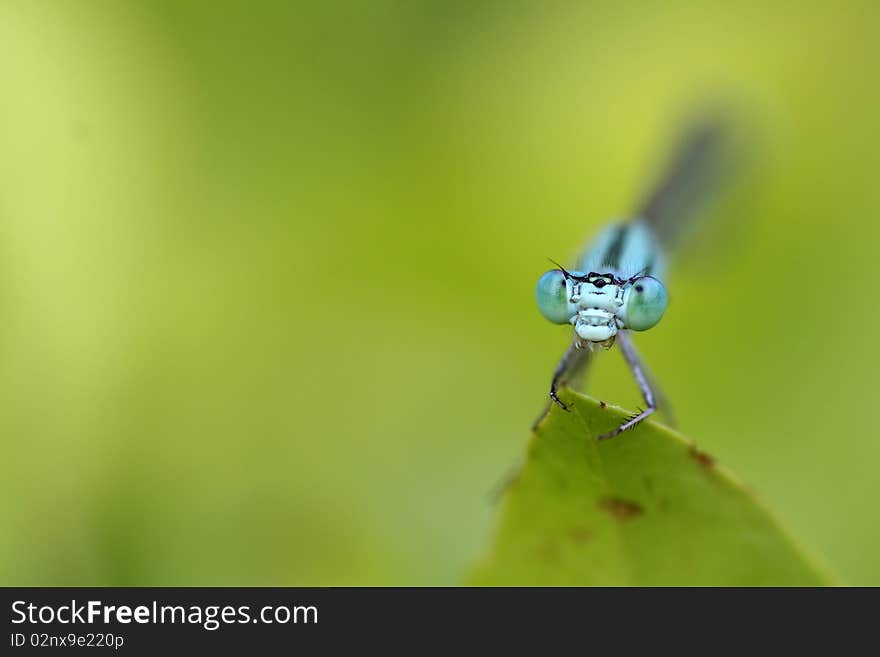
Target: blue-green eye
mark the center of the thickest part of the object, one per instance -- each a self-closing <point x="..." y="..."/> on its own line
<point x="552" y="295"/>
<point x="644" y="303"/>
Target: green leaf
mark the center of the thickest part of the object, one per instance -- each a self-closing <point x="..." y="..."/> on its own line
<point x="645" y="508"/>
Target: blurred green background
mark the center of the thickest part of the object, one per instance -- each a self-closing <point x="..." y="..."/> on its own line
<point x="267" y="271"/>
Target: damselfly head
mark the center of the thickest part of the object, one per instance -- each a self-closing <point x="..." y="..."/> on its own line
<point x="598" y="305"/>
<point x="589" y="302"/>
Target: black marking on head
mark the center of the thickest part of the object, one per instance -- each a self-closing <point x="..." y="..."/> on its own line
<point x="601" y="280"/>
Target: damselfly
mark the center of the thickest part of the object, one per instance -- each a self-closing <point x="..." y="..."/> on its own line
<point x="617" y="286"/>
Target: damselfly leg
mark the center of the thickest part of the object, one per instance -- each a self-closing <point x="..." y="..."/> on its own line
<point x="570" y="369"/>
<point x="573" y="361"/>
<point x="635" y="365"/>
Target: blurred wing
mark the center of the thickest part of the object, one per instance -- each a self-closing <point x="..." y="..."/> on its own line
<point x="689" y="179"/>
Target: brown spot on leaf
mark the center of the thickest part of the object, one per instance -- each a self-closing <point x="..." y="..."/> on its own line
<point x="620" y="508"/>
<point x="549" y="551"/>
<point x="580" y="534"/>
<point x="602" y="405"/>
<point x="706" y="460"/>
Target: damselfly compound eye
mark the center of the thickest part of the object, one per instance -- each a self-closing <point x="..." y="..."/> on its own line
<point x="552" y="294"/>
<point x="644" y="303"/>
